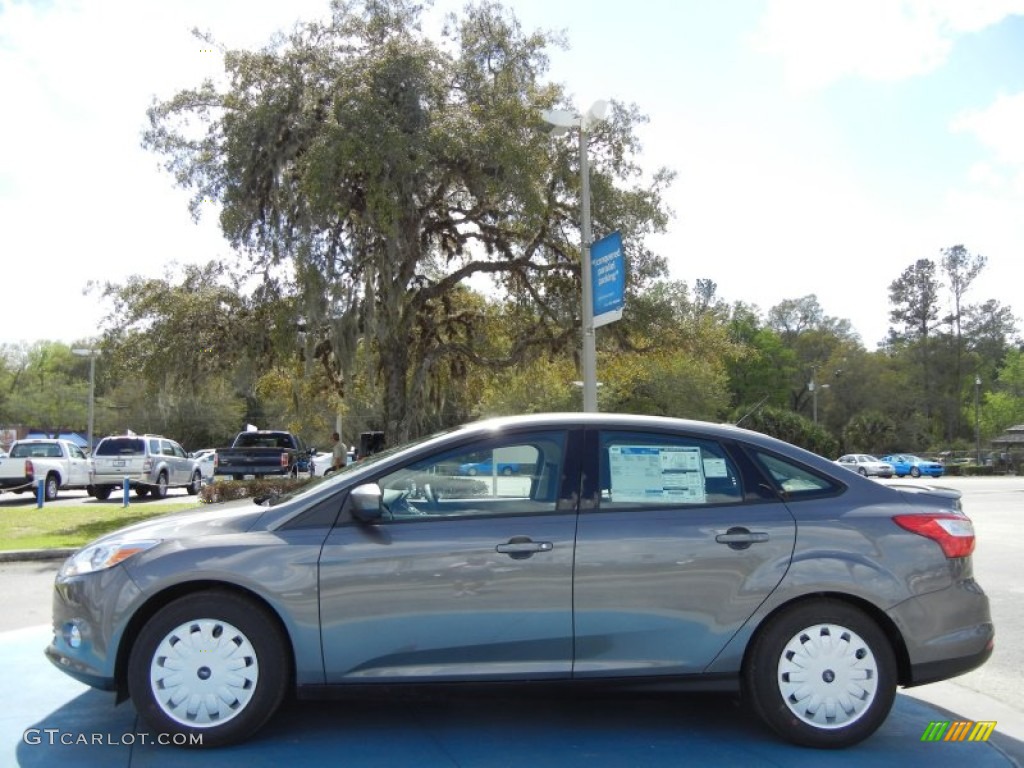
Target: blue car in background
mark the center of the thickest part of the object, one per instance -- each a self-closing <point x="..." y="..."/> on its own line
<point x="904" y="464"/>
<point x="487" y="468"/>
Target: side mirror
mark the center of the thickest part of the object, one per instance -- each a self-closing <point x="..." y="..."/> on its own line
<point x="366" y="503"/>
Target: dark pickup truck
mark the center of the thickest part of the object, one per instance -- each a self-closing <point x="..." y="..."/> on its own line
<point x="262" y="452"/>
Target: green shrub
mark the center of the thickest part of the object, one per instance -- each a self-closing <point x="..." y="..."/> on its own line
<point x="229" y="490"/>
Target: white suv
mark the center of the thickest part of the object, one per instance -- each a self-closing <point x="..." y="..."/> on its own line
<point x="150" y="463"/>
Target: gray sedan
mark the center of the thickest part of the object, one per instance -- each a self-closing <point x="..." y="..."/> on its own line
<point x="628" y="549"/>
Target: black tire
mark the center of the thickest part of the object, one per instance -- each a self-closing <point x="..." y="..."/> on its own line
<point x="141" y="491"/>
<point x="196" y="485"/>
<point x="507" y="471"/>
<point x="863" y="472"/>
<point x="101" y="492"/>
<point x="209" y="628"/>
<point x="471" y="471"/>
<point x="846" y="650"/>
<point x="238" y="477"/>
<point x="51" y="486"/>
<point x="915" y="472"/>
<point x="160" y="489"/>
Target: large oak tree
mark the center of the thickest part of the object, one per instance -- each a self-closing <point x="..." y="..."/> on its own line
<point x="370" y="171"/>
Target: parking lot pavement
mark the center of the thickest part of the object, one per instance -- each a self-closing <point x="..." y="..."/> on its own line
<point x="51" y="720"/>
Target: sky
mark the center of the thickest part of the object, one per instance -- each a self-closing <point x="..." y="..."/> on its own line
<point x="821" y="146"/>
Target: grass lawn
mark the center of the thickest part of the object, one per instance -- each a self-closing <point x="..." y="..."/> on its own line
<point x="63" y="526"/>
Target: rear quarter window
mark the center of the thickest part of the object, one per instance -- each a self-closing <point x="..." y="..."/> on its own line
<point x="794" y="480"/>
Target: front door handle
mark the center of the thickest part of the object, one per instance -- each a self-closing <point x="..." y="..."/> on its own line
<point x="521" y="547"/>
<point x="739" y="537"/>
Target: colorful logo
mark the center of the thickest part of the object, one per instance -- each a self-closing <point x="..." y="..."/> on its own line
<point x="958" y="730"/>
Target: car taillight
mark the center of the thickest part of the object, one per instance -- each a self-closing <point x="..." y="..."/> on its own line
<point x="284" y="459"/>
<point x="216" y="460"/>
<point x="30" y="471"/>
<point x="954" y="533"/>
<point x="147" y="465"/>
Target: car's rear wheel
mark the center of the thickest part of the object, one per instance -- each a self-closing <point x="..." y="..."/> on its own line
<point x="196" y="485"/>
<point x="213" y="664"/>
<point x="821" y="674"/>
<point x="160" y="490"/>
<point x="915" y="472"/>
<point x="52" y="487"/>
<point x="101" y="492"/>
<point x="141" y="491"/>
<point x="863" y="471"/>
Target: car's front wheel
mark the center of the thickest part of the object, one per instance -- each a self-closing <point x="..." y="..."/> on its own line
<point x="213" y="666"/>
<point x="821" y="674"/>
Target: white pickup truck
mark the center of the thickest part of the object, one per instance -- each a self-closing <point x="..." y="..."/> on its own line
<point x="60" y="462"/>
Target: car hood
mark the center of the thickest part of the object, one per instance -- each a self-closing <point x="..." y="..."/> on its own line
<point x="228" y="517"/>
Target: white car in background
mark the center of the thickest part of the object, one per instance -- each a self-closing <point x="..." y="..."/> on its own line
<point x="204" y="460"/>
<point x="322" y="461"/>
<point x="866" y="465"/>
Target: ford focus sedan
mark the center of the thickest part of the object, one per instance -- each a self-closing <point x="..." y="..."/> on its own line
<point x="627" y="550"/>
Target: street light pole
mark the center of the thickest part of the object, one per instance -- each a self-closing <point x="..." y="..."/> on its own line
<point x="91" y="354"/>
<point x="562" y="121"/>
<point x="977" y="417"/>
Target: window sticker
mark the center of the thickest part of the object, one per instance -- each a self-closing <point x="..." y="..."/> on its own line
<point x="658" y="474"/>
<point x="715" y="468"/>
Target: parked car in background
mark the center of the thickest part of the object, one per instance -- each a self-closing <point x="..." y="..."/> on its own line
<point x="629" y="548"/>
<point x="487" y="468"/>
<point x="866" y="464"/>
<point x="59" y="463"/>
<point x="205" y="460"/>
<point x="150" y="463"/>
<point x="321" y="461"/>
<point x="904" y="464"/>
<point x="263" y="452"/>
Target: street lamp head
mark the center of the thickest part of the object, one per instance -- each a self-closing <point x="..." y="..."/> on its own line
<point x="977" y="381"/>
<point x="596" y="114"/>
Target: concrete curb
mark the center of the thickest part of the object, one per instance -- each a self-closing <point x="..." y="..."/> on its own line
<point x="30" y="555"/>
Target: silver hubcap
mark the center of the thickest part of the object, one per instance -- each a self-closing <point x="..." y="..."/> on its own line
<point x="828" y="676"/>
<point x="204" y="673"/>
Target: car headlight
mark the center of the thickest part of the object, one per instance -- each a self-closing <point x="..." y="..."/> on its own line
<point x="104" y="554"/>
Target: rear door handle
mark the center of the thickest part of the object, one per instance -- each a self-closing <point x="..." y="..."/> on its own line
<point x="521" y="547"/>
<point x="741" y="538"/>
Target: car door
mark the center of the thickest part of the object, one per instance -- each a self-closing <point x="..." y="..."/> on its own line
<point x="78" y="466"/>
<point x="677" y="545"/>
<point x="464" y="578"/>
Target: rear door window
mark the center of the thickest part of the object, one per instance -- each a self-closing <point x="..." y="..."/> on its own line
<point x="656" y="470"/>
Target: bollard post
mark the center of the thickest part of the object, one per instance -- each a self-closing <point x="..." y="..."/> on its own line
<point x="40" y="492"/>
<point x="127" y="487"/>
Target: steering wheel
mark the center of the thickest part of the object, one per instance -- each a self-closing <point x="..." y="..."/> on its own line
<point x="429" y="496"/>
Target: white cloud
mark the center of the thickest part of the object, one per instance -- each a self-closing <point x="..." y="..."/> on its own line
<point x="884" y="40"/>
<point x="1000" y="127"/>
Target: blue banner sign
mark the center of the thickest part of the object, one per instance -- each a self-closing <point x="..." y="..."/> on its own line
<point x="608" y="279"/>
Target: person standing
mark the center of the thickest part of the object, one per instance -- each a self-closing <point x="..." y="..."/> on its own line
<point x="339" y="453"/>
